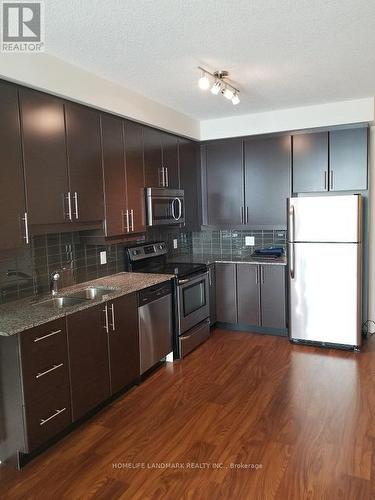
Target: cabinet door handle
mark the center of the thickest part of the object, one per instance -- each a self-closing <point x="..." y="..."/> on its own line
<point x="55" y="367"/>
<point x="162" y="180"/>
<point x="262" y="275"/>
<point x="113" y="317"/>
<point x="242" y="215"/>
<point x="106" y="324"/>
<point x="38" y="339"/>
<point x="76" y="204"/>
<point x="331" y="179"/>
<point x="45" y="420"/>
<point x="257" y="275"/>
<point x="247" y="215"/>
<point x="127" y="221"/>
<point x="325" y="180"/>
<point x="166" y="177"/>
<point x="26" y="237"/>
<point x="132" y="219"/>
<point x="69" y="214"/>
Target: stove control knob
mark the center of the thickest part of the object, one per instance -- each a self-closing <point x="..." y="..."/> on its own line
<point x="135" y="252"/>
<point x="161" y="247"/>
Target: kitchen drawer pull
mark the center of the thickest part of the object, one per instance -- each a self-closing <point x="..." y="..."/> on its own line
<point x="37" y="339"/>
<point x="106" y="325"/>
<point x="55" y="367"/>
<point x="45" y="420"/>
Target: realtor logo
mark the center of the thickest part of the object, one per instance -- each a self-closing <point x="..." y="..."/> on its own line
<point x="22" y="26"/>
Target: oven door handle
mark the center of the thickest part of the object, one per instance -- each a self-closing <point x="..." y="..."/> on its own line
<point x="198" y="277"/>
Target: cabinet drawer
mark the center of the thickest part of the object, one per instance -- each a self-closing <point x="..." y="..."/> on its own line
<point x="46" y="417"/>
<point x="54" y="377"/>
<point x="43" y="344"/>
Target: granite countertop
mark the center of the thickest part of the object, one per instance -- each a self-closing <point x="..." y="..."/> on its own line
<point x="201" y="258"/>
<point x="21" y="315"/>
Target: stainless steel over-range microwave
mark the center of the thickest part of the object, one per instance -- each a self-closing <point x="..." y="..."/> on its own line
<point x="165" y="206"/>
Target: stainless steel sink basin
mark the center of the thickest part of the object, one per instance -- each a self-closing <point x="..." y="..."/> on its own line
<point x="92" y="293"/>
<point x="60" y="302"/>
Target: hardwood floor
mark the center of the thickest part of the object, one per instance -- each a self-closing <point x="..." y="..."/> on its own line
<point x="304" y="417"/>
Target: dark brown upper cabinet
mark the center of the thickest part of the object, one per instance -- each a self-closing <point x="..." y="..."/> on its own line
<point x="154" y="174"/>
<point x="170" y="160"/>
<point x="135" y="179"/>
<point x="116" y="219"/>
<point x="46" y="173"/>
<point x="84" y="163"/>
<point x="123" y="342"/>
<point x="310" y="162"/>
<point x="267" y="181"/>
<point x="224" y="183"/>
<point x="161" y="159"/>
<point x="348" y="159"/>
<point x="13" y="221"/>
<point x="189" y="179"/>
<point x="88" y="358"/>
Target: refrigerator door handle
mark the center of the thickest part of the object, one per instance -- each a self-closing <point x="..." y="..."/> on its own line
<point x="292" y="224"/>
<point x="292" y="261"/>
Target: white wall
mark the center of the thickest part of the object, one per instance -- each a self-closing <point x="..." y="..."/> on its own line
<point x="322" y="115"/>
<point x="46" y="72"/>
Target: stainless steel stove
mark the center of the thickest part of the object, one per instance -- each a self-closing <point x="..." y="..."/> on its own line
<point x="191" y="292"/>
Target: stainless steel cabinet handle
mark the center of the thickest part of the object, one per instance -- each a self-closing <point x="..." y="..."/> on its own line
<point x="38" y="339"/>
<point x="55" y="367"/>
<point x="26" y="237"/>
<point x="113" y="317"/>
<point x="210" y="277"/>
<point x="127" y="221"/>
<point x="262" y="274"/>
<point x="132" y="218"/>
<point x="106" y="325"/>
<point x="325" y="179"/>
<point x="247" y="215"/>
<point x="69" y="214"/>
<point x="331" y="179"/>
<point x="257" y="275"/>
<point x="166" y="177"/>
<point x="242" y="215"/>
<point x="162" y="181"/>
<point x="76" y="204"/>
<point x="45" y="420"/>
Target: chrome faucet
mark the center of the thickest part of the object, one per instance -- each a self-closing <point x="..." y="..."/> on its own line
<point x="55" y="276"/>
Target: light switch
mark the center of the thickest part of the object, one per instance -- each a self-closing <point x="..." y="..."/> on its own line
<point x="175" y="244"/>
<point x="249" y="241"/>
<point x="103" y="257"/>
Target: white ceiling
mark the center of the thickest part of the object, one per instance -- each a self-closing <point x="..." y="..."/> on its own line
<point x="280" y="53"/>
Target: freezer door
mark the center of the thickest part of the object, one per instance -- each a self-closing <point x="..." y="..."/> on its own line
<point x="325" y="218"/>
<point x="325" y="292"/>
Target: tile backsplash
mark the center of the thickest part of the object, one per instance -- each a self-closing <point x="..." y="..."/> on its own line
<point x="231" y="243"/>
<point x="26" y="272"/>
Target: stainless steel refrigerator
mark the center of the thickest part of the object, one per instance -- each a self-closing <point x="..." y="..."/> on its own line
<point x="325" y="270"/>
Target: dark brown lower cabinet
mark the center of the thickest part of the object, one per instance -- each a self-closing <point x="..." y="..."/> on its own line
<point x="123" y="341"/>
<point x="226" y="296"/>
<point x="45" y="382"/>
<point x="212" y="285"/>
<point x="248" y="295"/>
<point x="251" y="294"/>
<point x="88" y="353"/>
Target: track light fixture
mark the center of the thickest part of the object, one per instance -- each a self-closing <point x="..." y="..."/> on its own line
<point x="218" y="84"/>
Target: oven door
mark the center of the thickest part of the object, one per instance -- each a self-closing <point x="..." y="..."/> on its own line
<point x="193" y="302"/>
<point x="164" y="208"/>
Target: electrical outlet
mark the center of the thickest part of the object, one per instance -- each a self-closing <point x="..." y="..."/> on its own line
<point x="175" y="244"/>
<point x="103" y="257"/>
<point x="249" y="241"/>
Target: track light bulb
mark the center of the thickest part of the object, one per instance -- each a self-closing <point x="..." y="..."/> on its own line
<point x="228" y="93"/>
<point x="235" y="99"/>
<point x="216" y="87"/>
<point x="204" y="82"/>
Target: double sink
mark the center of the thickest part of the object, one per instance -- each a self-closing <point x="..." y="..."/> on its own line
<point x="91" y="293"/>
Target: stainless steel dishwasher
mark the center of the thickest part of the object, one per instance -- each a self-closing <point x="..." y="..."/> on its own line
<point x="155" y="324"/>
